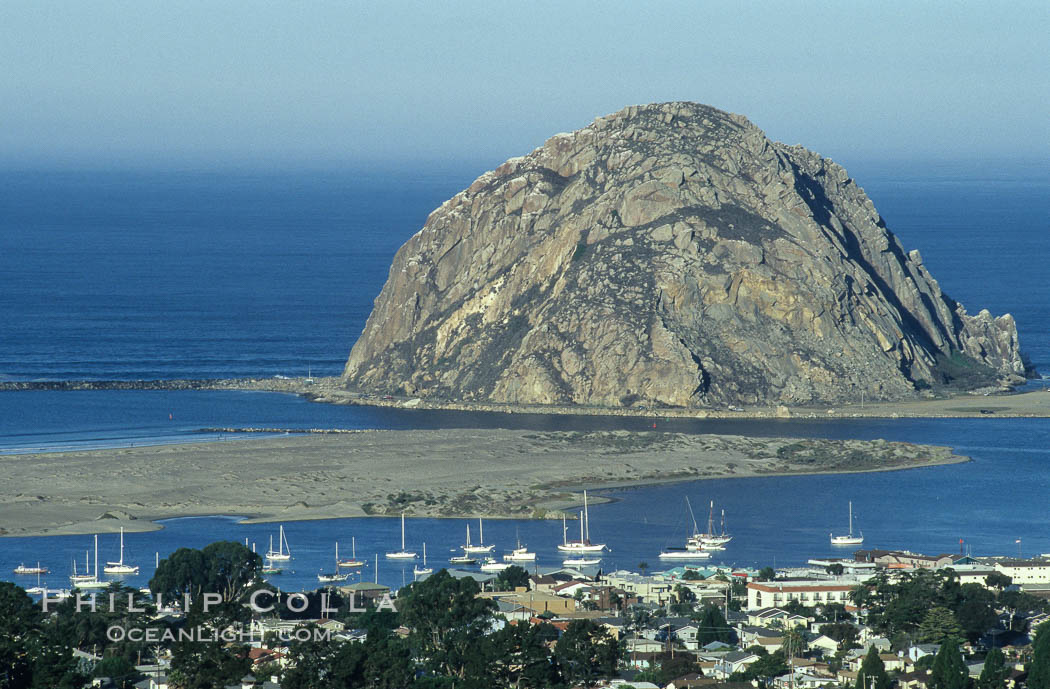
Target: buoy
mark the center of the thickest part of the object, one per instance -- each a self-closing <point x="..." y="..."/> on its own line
<point x="171" y="417"/>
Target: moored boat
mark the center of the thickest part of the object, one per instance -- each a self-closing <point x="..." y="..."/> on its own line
<point x="583" y="545"/>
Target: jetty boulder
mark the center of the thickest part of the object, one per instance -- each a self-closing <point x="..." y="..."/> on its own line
<point x="669" y="255"/>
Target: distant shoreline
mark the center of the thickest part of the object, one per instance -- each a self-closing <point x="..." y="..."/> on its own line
<point x="329" y="390"/>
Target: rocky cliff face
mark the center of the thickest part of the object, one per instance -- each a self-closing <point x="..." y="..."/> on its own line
<point x="671" y="255"/>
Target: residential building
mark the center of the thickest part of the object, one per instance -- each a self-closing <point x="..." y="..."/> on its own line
<point x="808" y="592"/>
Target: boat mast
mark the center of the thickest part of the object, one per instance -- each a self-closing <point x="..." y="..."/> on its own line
<point x="692" y="516"/>
<point x="481" y="531"/>
<point x="851" y="519"/>
<point x="564" y="530"/>
<point x="586" y="521"/>
<point x="402" y="532"/>
<point x="711" y="520"/>
<point x="583" y="518"/>
<point x="96" y="556"/>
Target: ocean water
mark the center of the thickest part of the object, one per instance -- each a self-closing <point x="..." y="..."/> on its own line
<point x="170" y="275"/>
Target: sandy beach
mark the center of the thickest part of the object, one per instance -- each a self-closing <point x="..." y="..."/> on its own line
<point x="441" y="473"/>
<point x="1033" y="404"/>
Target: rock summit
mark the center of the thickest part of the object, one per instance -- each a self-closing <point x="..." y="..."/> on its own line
<point x="669" y="255"/>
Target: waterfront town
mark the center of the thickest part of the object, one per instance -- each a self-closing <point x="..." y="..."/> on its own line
<point x="875" y="618"/>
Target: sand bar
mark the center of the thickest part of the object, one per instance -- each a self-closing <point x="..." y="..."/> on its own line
<point x="439" y="473"/>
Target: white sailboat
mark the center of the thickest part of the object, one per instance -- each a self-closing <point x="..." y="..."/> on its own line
<point x="420" y="571"/>
<point x="694" y="545"/>
<point x="119" y="567"/>
<point x="94" y="582"/>
<point x="580" y="561"/>
<point x="481" y="547"/>
<point x="850" y="539"/>
<point x="279" y="555"/>
<point x="401" y="554"/>
<point x="583" y="545"/>
<point x="710" y="540"/>
<point x="353" y="561"/>
<point x="520" y="554"/>
<point x="463" y="560"/>
<point x="87" y="576"/>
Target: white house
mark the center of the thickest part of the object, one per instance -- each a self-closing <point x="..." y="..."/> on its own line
<point x="808" y="592"/>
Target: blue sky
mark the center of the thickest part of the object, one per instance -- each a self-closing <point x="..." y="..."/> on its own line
<point x="88" y="84"/>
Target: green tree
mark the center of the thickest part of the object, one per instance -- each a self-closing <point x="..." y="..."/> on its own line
<point x="224" y="567"/>
<point x="938" y="625"/>
<point x="684" y="601"/>
<point x="447" y="620"/>
<point x="586" y="652"/>
<point x="835" y="569"/>
<point x="117" y="668"/>
<point x="832" y="612"/>
<point x="672" y="666"/>
<point x="949" y="671"/>
<point x="766" y="574"/>
<point x="520" y="656"/>
<point x="206" y="664"/>
<point x="766" y="668"/>
<point x="975" y="611"/>
<point x="843" y="632"/>
<point x="643" y="567"/>
<point x="512" y="578"/>
<point x="998" y="580"/>
<point x="32" y="652"/>
<point x="712" y="626"/>
<point x="872" y="674"/>
<point x="995" y="672"/>
<point x="795" y="643"/>
<point x="1039" y="670"/>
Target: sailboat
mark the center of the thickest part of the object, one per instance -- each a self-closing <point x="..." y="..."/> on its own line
<point x="694" y="545"/>
<point x="464" y="559"/>
<point x="87" y="576"/>
<point x="401" y="554"/>
<point x="580" y="561"/>
<point x="583" y="545"/>
<point x="520" y="554"/>
<point x="419" y="571"/>
<point x="93" y="582"/>
<point x="850" y="539"/>
<point x="481" y="547"/>
<point x="710" y="540"/>
<point x="23" y="570"/>
<point x="353" y="561"/>
<point x="270" y="568"/>
<point x="119" y="567"/>
<point x="326" y="578"/>
<point x="279" y="555"/>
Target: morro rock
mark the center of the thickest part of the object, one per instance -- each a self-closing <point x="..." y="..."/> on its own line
<point x="669" y="255"/>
